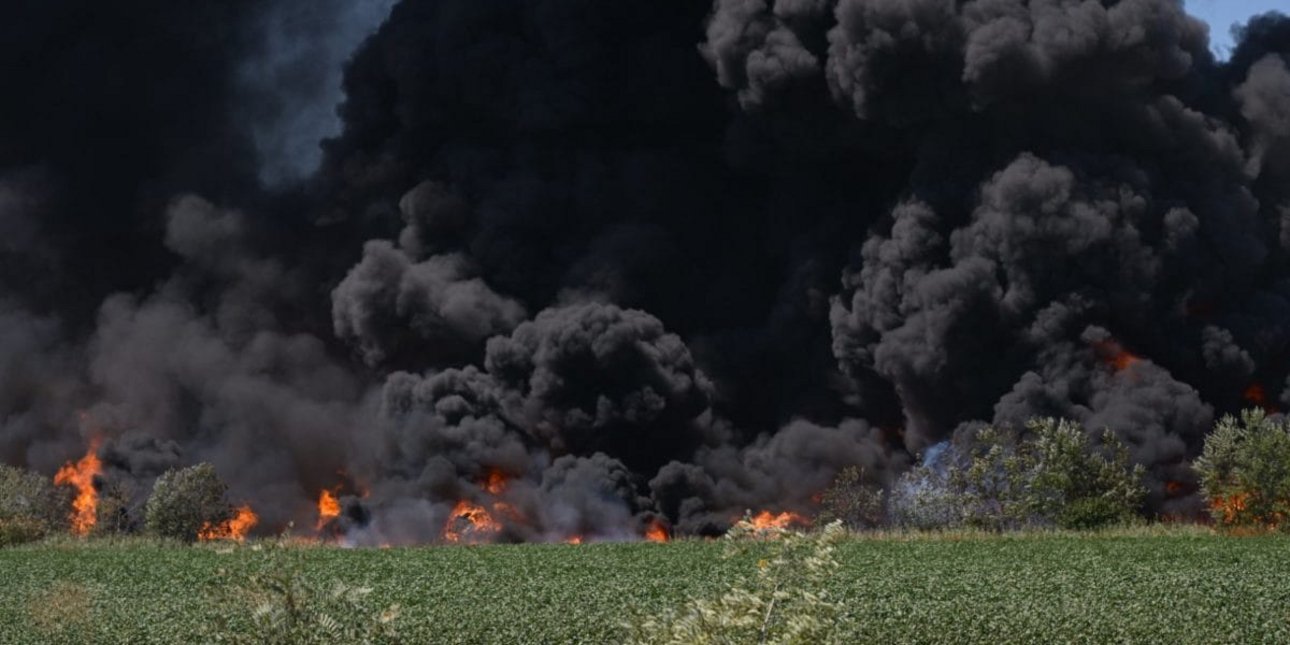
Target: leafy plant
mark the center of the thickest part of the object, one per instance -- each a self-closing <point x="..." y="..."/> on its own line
<point x="284" y="607"/>
<point x="1244" y="471"/>
<point x="184" y="501"/>
<point x="852" y="501"/>
<point x="1077" y="485"/>
<point x="30" y="506"/>
<point x="996" y="479"/>
<point x="785" y="600"/>
<point x="921" y="499"/>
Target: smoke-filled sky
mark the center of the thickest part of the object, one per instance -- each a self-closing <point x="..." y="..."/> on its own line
<point x="596" y="267"/>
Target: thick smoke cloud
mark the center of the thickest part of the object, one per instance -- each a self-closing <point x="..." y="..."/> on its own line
<point x="592" y="268"/>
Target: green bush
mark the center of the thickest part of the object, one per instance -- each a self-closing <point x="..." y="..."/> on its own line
<point x="185" y="501"/>
<point x="786" y="600"/>
<point x="30" y="506"/>
<point x="1244" y="471"/>
<point x="20" y="530"/>
<point x="850" y="500"/>
<point x="988" y="476"/>
<point x="1077" y="485"/>
<point x="997" y="479"/>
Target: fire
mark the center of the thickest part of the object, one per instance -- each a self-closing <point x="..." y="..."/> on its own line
<point x="766" y="520"/>
<point x="1256" y="395"/>
<point x="576" y="539"/>
<point x="235" y="528"/>
<point x="495" y="483"/>
<point x="656" y="532"/>
<point x="469" y="522"/>
<point x="1115" y="355"/>
<point x="1230" y="506"/>
<point x="328" y="508"/>
<point x="1174" y="487"/>
<point x="80" y="476"/>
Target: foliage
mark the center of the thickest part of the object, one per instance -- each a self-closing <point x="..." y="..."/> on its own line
<point x="988" y="477"/>
<point x="996" y="479"/>
<point x="113" y="513"/>
<point x="30" y="506"/>
<point x="851" y="501"/>
<point x="922" y="500"/>
<point x="1244" y="470"/>
<point x="184" y="501"/>
<point x="284" y="607"/>
<point x="786" y="600"/>
<point x="21" y="530"/>
<point x="1074" y="484"/>
<point x="962" y="587"/>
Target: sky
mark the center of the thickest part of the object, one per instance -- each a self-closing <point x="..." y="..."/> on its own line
<point x="1222" y="14"/>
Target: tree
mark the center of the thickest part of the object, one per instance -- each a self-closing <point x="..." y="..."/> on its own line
<point x="997" y="479"/>
<point x="185" y="501"/>
<point x="1244" y="470"/>
<point x="30" y="506"/>
<point x="1075" y="484"/>
<point x="850" y="500"/>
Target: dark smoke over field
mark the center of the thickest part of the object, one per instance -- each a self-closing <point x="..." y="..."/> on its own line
<point x="584" y="269"/>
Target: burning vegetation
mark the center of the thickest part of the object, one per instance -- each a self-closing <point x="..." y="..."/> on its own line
<point x="80" y="476"/>
<point x="328" y="508"/>
<point x="632" y="278"/>
<point x="235" y="528"/>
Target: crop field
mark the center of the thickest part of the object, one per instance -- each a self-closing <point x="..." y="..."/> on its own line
<point x="1175" y="587"/>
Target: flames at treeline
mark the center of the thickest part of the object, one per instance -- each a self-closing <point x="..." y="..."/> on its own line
<point x="80" y="476"/>
<point x="615" y="270"/>
<point x="235" y="528"/>
<point x="328" y="508"/>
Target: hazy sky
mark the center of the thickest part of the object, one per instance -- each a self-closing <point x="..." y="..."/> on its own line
<point x="1222" y="14"/>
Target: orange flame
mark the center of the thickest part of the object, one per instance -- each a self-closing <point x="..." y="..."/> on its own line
<point x="81" y="477"/>
<point x="575" y="539"/>
<point x="495" y="483"/>
<point x="1115" y="355"/>
<point x="656" y="532"/>
<point x="235" y="528"/>
<point x="766" y="520"/>
<point x="1256" y="395"/>
<point x="1230" y="506"/>
<point x="469" y="522"/>
<point x="328" y="508"/>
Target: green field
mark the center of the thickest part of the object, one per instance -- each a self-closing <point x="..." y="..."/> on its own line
<point x="1172" y="588"/>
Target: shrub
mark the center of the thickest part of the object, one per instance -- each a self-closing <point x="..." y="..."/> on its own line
<point x="996" y="479"/>
<point x="784" y="601"/>
<point x="281" y="606"/>
<point x="923" y="500"/>
<point x="851" y="501"/>
<point x="1244" y="471"/>
<point x="184" y="501"/>
<point x="114" y="513"/>
<point x="987" y="475"/>
<point x="30" y="506"/>
<point x="20" y="530"/>
<point x="1077" y="485"/>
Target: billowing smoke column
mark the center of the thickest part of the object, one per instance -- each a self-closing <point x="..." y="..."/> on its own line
<point x="576" y="269"/>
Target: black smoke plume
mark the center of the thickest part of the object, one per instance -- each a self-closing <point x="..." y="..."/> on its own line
<point x="585" y="268"/>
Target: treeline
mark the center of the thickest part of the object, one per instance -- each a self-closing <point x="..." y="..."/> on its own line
<point x="183" y="504"/>
<point x="1056" y="474"/>
<point x="1052" y="473"/>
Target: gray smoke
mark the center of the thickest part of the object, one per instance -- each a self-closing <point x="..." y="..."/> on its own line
<point x="589" y="268"/>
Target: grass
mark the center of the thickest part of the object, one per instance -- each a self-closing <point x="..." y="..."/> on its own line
<point x="1142" y="585"/>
